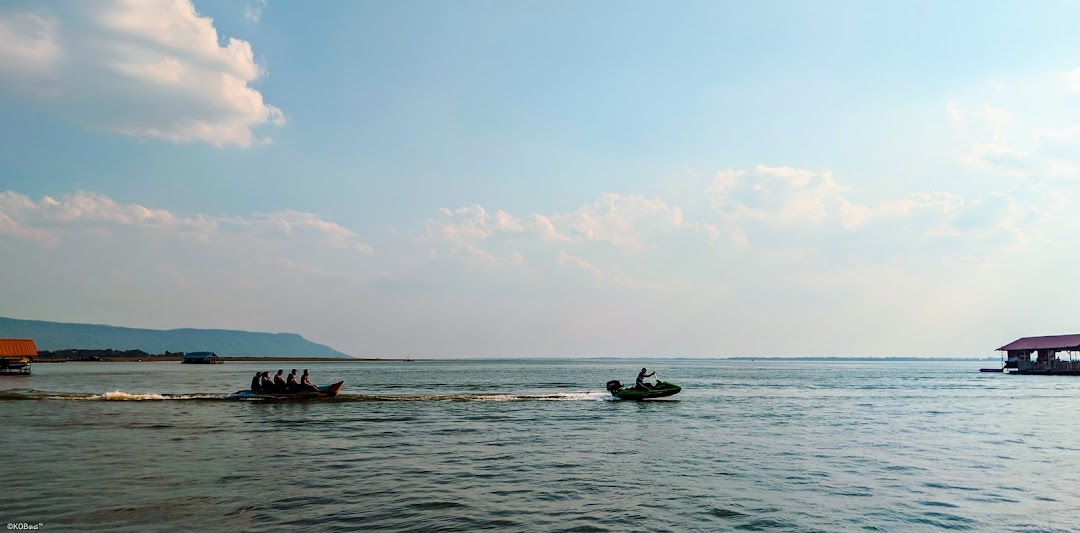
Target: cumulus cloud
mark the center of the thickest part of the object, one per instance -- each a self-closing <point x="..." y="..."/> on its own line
<point x="9" y="227"/>
<point x="51" y="221"/>
<point x="781" y="206"/>
<point x="566" y="259"/>
<point x="622" y="221"/>
<point x="28" y="45"/>
<point x="307" y="227"/>
<point x="611" y="224"/>
<point x="253" y="9"/>
<point x="463" y="229"/>
<point x="784" y="195"/>
<point x="1072" y="80"/>
<point x="89" y="210"/>
<point x="1030" y="132"/>
<point x="644" y="264"/>
<point x="147" y="68"/>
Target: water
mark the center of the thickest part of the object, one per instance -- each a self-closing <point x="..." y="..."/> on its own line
<point x="539" y="446"/>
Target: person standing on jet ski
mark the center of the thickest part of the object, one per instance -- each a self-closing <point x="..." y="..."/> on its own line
<point x="640" y="383"/>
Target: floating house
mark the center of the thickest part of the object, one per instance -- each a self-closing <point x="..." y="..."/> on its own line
<point x="1039" y="355"/>
<point x="202" y="358"/>
<point x="16" y="355"/>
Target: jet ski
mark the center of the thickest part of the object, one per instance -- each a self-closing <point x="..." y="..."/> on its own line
<point x="325" y="391"/>
<point x="659" y="390"/>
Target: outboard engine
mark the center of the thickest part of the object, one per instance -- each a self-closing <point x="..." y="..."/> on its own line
<point x="613" y="386"/>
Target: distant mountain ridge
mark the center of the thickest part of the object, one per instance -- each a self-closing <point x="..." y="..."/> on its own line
<point x="54" y="336"/>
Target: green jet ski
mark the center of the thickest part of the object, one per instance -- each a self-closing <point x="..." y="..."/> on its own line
<point x="658" y="390"/>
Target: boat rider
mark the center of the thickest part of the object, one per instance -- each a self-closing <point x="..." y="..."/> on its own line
<point x="256" y="382"/>
<point x="279" y="382"/>
<point x="640" y="383"/>
<point x="290" y="382"/>
<point x="265" y="384"/>
<point x="306" y="381"/>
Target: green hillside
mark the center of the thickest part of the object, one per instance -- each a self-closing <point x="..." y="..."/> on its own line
<point x="54" y="336"/>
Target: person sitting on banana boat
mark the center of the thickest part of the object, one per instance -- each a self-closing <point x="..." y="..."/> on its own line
<point x="305" y="381"/>
<point x="265" y="383"/>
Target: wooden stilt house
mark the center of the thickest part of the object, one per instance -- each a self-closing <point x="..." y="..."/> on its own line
<point x="16" y="356"/>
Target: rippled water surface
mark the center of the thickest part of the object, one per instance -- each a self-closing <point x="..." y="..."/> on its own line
<point x="539" y="446"/>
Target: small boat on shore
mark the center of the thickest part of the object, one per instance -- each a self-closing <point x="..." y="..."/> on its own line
<point x="659" y="390"/>
<point x="325" y="391"/>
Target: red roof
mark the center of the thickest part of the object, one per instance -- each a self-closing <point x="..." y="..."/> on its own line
<point x="1050" y="342"/>
<point x="17" y="348"/>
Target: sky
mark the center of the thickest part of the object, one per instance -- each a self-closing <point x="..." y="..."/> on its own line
<point x="546" y="179"/>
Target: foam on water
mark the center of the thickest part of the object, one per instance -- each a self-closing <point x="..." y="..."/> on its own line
<point x="554" y="397"/>
<point x="116" y="395"/>
<point x="124" y="396"/>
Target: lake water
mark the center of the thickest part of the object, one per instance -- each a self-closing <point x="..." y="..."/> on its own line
<point x="538" y="445"/>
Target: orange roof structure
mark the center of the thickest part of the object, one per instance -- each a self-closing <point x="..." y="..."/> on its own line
<point x="18" y="348"/>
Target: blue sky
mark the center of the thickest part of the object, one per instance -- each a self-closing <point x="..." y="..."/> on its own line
<point x="481" y="179"/>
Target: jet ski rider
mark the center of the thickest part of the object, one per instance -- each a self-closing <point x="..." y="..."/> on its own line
<point x="640" y="383"/>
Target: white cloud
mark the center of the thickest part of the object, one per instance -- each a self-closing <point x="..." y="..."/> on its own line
<point x="777" y="208"/>
<point x="784" y="195"/>
<point x="997" y="156"/>
<point x="566" y="259"/>
<point x="253" y="9"/>
<point x="9" y="227"/>
<point x="28" y="45"/>
<point x="1072" y="80"/>
<point x="809" y="267"/>
<point x="52" y="221"/>
<point x="1030" y="133"/>
<point x="625" y="222"/>
<point x="87" y="209"/>
<point x="622" y="220"/>
<point x="160" y="58"/>
<point x="463" y="229"/>
<point x="954" y="113"/>
<point x="307" y="227"/>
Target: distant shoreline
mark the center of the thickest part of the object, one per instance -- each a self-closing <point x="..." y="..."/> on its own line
<point x="241" y="359"/>
<point x="173" y="359"/>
